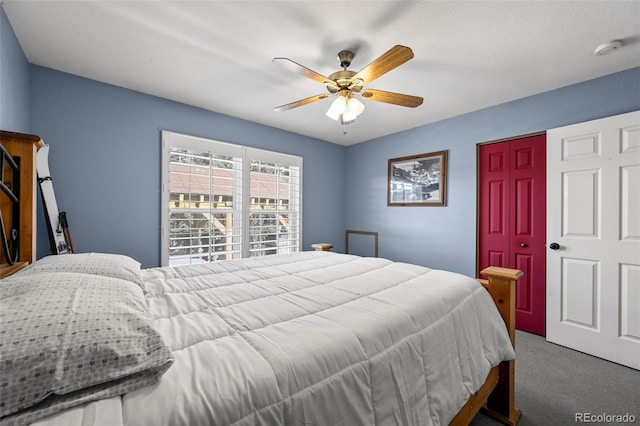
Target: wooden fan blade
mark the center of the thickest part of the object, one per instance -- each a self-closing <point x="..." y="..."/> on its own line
<point x="389" y="60"/>
<point x="392" y="98"/>
<point x="301" y="102"/>
<point x="303" y="71"/>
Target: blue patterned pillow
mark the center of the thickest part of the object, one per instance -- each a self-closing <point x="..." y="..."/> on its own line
<point x="67" y="339"/>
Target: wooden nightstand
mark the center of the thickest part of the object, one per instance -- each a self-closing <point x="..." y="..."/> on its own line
<point x="322" y="247"/>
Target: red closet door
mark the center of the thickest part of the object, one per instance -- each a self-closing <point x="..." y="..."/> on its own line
<point x="493" y="202"/>
<point x="512" y="220"/>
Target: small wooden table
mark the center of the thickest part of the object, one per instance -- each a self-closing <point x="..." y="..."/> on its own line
<point x="322" y="246"/>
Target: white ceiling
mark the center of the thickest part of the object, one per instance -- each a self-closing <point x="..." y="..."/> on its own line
<point x="217" y="54"/>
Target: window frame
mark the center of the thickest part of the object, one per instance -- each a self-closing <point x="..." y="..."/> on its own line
<point x="246" y="154"/>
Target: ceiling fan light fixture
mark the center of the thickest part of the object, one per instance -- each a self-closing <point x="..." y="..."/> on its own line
<point x="354" y="107"/>
<point x="345" y="109"/>
<point x="337" y="108"/>
<point x="347" y="118"/>
<point x="353" y="110"/>
<point x="344" y="120"/>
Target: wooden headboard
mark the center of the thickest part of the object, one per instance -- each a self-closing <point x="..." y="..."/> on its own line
<point x="22" y="148"/>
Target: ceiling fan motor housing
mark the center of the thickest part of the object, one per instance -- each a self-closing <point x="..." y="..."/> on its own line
<point x="345" y="57"/>
<point x="343" y="80"/>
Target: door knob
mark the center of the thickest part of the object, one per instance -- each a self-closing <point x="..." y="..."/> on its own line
<point x="554" y="246"/>
<point x="523" y="245"/>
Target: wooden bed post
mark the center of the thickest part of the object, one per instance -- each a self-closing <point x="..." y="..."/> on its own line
<point x="502" y="288"/>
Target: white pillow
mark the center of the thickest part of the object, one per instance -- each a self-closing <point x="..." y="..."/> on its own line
<point x="101" y="264"/>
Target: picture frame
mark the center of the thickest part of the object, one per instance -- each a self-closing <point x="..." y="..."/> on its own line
<point x="418" y="180"/>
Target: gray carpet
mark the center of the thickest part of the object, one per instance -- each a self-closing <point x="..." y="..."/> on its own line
<point x="554" y="384"/>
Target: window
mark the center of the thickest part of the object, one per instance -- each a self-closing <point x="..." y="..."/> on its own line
<point x="223" y="201"/>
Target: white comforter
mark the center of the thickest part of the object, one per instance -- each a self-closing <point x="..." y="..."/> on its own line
<point x="316" y="338"/>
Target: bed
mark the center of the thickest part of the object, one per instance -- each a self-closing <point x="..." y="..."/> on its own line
<point x="315" y="338"/>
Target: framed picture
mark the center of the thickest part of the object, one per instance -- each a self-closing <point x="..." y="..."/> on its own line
<point x="418" y="180"/>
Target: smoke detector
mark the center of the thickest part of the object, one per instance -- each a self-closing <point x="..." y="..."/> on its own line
<point x="607" y="48"/>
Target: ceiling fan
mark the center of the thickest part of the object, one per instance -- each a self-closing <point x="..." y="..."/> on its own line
<point x="346" y="84"/>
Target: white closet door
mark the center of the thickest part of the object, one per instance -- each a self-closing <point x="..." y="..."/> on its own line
<point x="593" y="237"/>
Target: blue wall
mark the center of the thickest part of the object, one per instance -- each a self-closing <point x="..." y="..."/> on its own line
<point x="14" y="80"/>
<point x="105" y="159"/>
<point x="445" y="237"/>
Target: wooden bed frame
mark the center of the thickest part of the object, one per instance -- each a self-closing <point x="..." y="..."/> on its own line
<point x="495" y="397"/>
